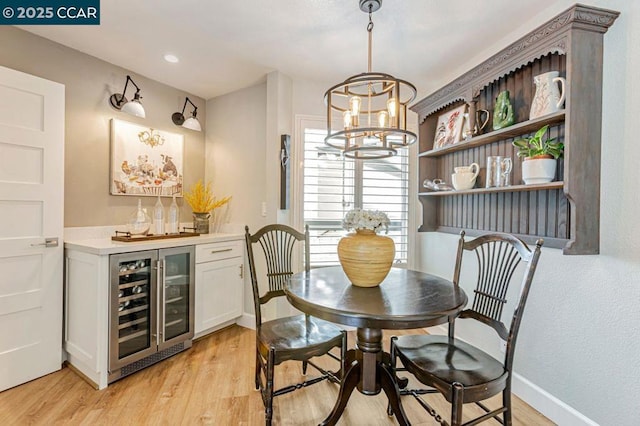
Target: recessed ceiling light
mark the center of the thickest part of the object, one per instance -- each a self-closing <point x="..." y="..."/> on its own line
<point x="171" y="58"/>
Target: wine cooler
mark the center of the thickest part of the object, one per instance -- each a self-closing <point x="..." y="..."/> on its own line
<point x="151" y="307"/>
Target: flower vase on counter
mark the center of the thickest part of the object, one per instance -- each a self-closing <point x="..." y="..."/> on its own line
<point x="201" y="222"/>
<point x="202" y="202"/>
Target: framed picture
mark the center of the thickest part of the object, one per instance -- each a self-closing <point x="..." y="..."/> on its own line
<point x="449" y="127"/>
<point x="145" y="161"/>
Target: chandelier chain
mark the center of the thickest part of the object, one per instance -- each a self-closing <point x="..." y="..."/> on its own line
<point x="370" y="31"/>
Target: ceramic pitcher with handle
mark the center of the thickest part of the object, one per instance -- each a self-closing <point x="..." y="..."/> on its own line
<point x="549" y="97"/>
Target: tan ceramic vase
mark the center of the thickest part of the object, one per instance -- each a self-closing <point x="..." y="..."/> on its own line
<point x="366" y="257"/>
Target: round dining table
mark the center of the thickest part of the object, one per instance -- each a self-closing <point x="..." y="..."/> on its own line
<point x="406" y="299"/>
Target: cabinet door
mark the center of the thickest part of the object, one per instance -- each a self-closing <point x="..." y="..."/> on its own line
<point x="176" y="303"/>
<point x="218" y="293"/>
<point x="132" y="309"/>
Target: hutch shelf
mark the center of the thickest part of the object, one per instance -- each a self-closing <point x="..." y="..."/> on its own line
<point x="565" y="212"/>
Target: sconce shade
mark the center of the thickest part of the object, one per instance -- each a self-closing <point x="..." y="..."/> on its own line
<point x="190" y="123"/>
<point x="133" y="107"/>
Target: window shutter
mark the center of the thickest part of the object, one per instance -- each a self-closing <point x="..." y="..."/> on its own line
<point x="331" y="183"/>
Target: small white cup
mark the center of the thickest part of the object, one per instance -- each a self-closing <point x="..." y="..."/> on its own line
<point x="472" y="168"/>
<point x="462" y="181"/>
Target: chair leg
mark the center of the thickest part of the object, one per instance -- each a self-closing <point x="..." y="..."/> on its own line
<point x="268" y="406"/>
<point x="343" y="355"/>
<point x="258" y="365"/>
<point x="506" y="402"/>
<point x="304" y="367"/>
<point x="392" y="368"/>
<point x="456" y="404"/>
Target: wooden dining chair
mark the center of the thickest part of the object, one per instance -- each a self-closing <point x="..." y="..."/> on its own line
<point x="299" y="337"/>
<point x="459" y="371"/>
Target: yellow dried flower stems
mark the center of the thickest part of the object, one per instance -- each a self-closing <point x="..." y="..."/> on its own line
<point x="201" y="199"/>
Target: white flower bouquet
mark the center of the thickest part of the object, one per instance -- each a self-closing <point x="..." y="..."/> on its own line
<point x="373" y="220"/>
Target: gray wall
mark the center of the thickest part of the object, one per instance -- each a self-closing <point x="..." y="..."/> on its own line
<point x="236" y="151"/>
<point x="88" y="84"/>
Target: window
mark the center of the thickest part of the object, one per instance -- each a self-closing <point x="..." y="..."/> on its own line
<point x="333" y="185"/>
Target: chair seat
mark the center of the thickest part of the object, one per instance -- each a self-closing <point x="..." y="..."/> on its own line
<point x="298" y="337"/>
<point x="439" y="362"/>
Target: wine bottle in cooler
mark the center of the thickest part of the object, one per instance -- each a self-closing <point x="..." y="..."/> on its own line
<point x="173" y="219"/>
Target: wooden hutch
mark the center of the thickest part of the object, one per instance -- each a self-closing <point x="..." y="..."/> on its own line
<point x="565" y="212"/>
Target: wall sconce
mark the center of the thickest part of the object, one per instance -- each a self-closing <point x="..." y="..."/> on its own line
<point x="191" y="122"/>
<point x="133" y="107"/>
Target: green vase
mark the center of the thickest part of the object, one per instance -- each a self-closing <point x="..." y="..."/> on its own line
<point x="503" y="111"/>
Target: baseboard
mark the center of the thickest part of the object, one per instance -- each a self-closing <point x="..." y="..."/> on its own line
<point x="247" y="321"/>
<point x="548" y="405"/>
<point x="81" y="374"/>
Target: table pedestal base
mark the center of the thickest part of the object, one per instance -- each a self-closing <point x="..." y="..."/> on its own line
<point x="367" y="368"/>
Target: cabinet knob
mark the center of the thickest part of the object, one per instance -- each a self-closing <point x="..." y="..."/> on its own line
<point x="241" y="271"/>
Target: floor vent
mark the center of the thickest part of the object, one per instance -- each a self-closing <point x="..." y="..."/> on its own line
<point x="150" y="360"/>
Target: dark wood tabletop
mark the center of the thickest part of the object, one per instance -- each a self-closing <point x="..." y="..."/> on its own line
<point x="405" y="299"/>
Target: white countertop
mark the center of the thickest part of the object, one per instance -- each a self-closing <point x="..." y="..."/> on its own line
<point x="104" y="245"/>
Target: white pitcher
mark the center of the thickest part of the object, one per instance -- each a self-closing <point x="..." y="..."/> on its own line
<point x="548" y="98"/>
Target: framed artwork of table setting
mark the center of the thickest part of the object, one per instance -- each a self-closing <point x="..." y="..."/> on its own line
<point x="145" y="161"/>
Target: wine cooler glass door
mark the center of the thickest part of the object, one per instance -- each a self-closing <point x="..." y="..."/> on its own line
<point x="177" y="298"/>
<point x="133" y="313"/>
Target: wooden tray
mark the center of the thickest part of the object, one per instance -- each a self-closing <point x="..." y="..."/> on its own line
<point x="127" y="238"/>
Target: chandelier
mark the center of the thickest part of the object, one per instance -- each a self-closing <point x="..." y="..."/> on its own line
<point x="371" y="109"/>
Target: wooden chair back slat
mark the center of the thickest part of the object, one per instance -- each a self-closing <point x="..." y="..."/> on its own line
<point x="278" y="244"/>
<point x="498" y="256"/>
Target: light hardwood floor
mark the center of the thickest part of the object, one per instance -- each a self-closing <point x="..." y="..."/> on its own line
<point x="212" y="383"/>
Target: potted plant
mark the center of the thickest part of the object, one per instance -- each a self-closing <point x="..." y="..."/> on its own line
<point x="540" y="156"/>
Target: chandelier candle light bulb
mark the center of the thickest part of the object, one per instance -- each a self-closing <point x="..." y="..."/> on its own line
<point x="382" y="118"/>
<point x="366" y="257"/>
<point x="347" y="119"/>
<point x="355" y="109"/>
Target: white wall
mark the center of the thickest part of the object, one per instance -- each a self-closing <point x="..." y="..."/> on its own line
<point x="580" y="337"/>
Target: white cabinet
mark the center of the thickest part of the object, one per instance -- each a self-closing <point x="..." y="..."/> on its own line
<point x="219" y="285"/>
<point x="218" y="293"/>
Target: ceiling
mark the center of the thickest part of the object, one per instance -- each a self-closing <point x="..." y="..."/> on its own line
<point x="227" y="45"/>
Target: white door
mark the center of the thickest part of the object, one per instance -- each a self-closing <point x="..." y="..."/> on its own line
<point x="31" y="212"/>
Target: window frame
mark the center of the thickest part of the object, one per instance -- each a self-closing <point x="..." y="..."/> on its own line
<point x="297" y="185"/>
